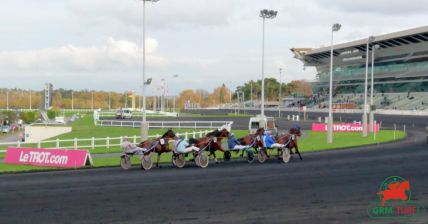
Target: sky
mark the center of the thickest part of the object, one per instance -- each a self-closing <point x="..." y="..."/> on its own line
<point x="97" y="44"/>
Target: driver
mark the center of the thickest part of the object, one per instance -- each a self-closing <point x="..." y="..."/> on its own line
<point x="269" y="141"/>
<point x="128" y="147"/>
<point x="234" y="144"/>
<point x="182" y="146"/>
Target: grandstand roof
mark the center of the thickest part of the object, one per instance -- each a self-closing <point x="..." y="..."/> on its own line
<point x="353" y="52"/>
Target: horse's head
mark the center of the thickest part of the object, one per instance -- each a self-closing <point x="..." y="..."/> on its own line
<point x="169" y="134"/>
<point x="223" y="133"/>
<point x="260" y="131"/>
<point x="405" y="185"/>
<point x="295" y="130"/>
<point x="212" y="134"/>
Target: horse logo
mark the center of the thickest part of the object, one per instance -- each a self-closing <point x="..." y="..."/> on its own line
<point x="394" y="188"/>
<point x="395" y="200"/>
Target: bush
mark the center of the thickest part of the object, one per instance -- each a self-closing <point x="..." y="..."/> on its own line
<point x="51" y="114"/>
<point x="29" y="117"/>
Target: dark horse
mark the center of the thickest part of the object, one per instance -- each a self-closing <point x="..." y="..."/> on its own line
<point x="290" y="140"/>
<point x="158" y="145"/>
<point x="211" y="142"/>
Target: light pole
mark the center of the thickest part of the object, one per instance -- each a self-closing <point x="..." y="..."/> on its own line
<point x="72" y="100"/>
<point x="369" y="41"/>
<point x="371" y="117"/>
<point x="335" y="28"/>
<point x="280" y="92"/>
<point x="109" y="101"/>
<point x="144" y="125"/>
<point x="174" y="76"/>
<point x="265" y="14"/>
<point x="251" y="93"/>
<point x="30" y="100"/>
<point x="7" y="100"/>
<point x="92" y="100"/>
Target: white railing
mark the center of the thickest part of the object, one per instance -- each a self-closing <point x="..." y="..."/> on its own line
<point x="166" y="124"/>
<point x="92" y="143"/>
<point x="139" y="114"/>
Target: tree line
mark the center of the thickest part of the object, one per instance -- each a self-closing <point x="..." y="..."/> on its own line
<point x="91" y="99"/>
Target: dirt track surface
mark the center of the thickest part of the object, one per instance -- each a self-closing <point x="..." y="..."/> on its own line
<point x="326" y="187"/>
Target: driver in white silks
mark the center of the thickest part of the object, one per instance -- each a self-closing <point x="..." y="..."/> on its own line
<point x="182" y="146"/>
<point x="269" y="141"/>
<point x="128" y="147"/>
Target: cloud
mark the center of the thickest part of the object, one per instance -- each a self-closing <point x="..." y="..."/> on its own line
<point x="388" y="7"/>
<point x="111" y="55"/>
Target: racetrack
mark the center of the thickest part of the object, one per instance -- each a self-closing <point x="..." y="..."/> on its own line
<point x="326" y="187"/>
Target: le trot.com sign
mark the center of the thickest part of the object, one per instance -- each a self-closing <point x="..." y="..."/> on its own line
<point x="48" y="157"/>
<point x="342" y="127"/>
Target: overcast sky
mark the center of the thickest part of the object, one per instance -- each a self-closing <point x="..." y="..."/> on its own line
<point x="96" y="44"/>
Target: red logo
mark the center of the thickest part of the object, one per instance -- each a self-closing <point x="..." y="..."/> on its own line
<point x="395" y="191"/>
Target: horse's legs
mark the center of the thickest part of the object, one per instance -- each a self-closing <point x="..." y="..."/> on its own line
<point x="158" y="159"/>
<point x="297" y="151"/>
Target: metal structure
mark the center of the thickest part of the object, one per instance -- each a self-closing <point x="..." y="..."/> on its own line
<point x="144" y="125"/>
<point x="335" y="28"/>
<point x="265" y="14"/>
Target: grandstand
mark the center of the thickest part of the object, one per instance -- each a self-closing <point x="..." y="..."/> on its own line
<point x="400" y="70"/>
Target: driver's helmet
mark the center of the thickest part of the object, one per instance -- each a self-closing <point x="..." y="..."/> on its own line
<point x="125" y="138"/>
<point x="296" y="126"/>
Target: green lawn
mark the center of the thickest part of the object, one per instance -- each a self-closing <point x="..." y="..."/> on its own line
<point x="311" y="141"/>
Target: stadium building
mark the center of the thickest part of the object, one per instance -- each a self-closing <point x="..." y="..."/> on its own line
<point x="400" y="69"/>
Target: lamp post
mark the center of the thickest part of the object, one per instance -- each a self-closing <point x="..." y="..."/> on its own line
<point x="265" y="14"/>
<point x="30" y="100"/>
<point x="369" y="40"/>
<point x="280" y="92"/>
<point x="175" y="76"/>
<point x="335" y="28"/>
<point x="144" y="125"/>
<point x="7" y="100"/>
<point x="72" y="100"/>
<point x="109" y="101"/>
<point x="92" y="100"/>
<point x="251" y="93"/>
<point x="371" y="116"/>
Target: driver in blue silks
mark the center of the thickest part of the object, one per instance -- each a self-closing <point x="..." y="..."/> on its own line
<point x="269" y="141"/>
<point x="234" y="144"/>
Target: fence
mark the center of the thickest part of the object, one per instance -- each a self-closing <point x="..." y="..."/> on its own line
<point x="166" y="124"/>
<point x="92" y="143"/>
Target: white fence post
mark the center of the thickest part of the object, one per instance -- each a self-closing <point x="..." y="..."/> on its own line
<point x="18" y="144"/>
<point x="185" y="135"/>
<point x="93" y="143"/>
<point x="57" y="143"/>
<point x="75" y="143"/>
<point x="200" y="134"/>
<point x="194" y="135"/>
<point x="108" y="142"/>
<point x="135" y="139"/>
<point x="121" y="140"/>
<point x="206" y="132"/>
<point x="39" y="145"/>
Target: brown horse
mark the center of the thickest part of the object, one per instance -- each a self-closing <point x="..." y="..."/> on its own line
<point x="158" y="145"/>
<point x="290" y="140"/>
<point x="254" y="140"/>
<point x="211" y="142"/>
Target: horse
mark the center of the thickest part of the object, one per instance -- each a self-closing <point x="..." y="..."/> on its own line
<point x="158" y="145"/>
<point x="252" y="140"/>
<point x="395" y="190"/>
<point x="211" y="141"/>
<point x="290" y="140"/>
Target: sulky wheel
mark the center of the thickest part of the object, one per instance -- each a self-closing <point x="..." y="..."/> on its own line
<point x="125" y="162"/>
<point x="250" y="157"/>
<point x="286" y="156"/>
<point x="179" y="161"/>
<point x="197" y="160"/>
<point x="203" y="160"/>
<point x="227" y="156"/>
<point x="146" y="162"/>
<point x="262" y="156"/>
